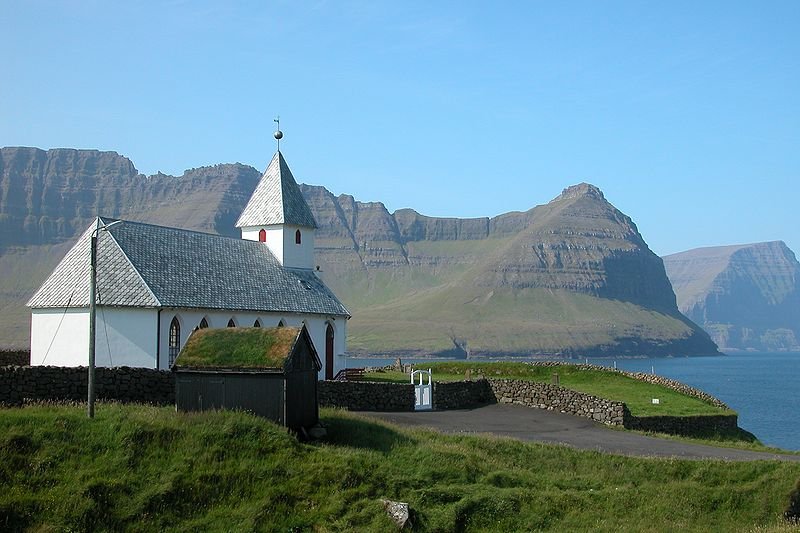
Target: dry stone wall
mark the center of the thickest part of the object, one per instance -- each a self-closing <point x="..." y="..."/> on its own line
<point x="20" y="384"/>
<point x="15" y="357"/>
<point x="643" y="376"/>
<point x="366" y="396"/>
<point x="555" y="398"/>
<point x="683" y="425"/>
<point x="461" y="394"/>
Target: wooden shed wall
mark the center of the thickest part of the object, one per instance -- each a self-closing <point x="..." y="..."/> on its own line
<point x="262" y="394"/>
<point x="302" y="408"/>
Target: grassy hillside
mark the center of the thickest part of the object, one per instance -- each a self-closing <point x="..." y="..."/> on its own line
<point x="512" y="321"/>
<point x="138" y="468"/>
<point x="572" y="277"/>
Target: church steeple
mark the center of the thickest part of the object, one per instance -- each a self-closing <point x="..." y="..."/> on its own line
<point x="278" y="215"/>
<point x="277" y="199"/>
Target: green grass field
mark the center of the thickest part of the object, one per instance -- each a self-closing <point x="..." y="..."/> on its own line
<point x="501" y="320"/>
<point x="138" y="468"/>
<point x="636" y="394"/>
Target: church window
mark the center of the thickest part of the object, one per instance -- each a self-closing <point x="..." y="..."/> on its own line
<point x="297" y="237"/>
<point x="257" y="323"/>
<point x="203" y="323"/>
<point x="174" y="340"/>
<point x="262" y="236"/>
<point x="231" y="323"/>
<point x="281" y="324"/>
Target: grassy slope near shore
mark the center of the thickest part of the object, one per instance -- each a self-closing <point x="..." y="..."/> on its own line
<point x="636" y="394"/>
<point x="137" y="467"/>
<point x="504" y="321"/>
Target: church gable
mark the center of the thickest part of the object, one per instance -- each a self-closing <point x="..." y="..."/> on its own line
<point x="118" y="282"/>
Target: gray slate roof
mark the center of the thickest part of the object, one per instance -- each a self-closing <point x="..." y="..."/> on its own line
<point x="141" y="265"/>
<point x="277" y="199"/>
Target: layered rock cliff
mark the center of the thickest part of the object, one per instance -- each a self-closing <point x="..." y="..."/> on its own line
<point x="47" y="197"/>
<point x="570" y="277"/>
<point x="746" y="296"/>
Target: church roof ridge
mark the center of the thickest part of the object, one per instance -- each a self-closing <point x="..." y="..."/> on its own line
<point x="277" y="199"/>
<point x="144" y="265"/>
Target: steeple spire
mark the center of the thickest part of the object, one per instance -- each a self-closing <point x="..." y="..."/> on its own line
<point x="277" y="199"/>
<point x="278" y="215"/>
<point x="278" y="133"/>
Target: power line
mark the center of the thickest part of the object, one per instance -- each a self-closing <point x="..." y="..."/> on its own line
<point x="69" y="301"/>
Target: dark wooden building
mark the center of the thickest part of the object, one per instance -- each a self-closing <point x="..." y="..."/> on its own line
<point x="271" y="372"/>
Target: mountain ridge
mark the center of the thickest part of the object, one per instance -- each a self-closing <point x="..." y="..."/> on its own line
<point x="570" y="277"/>
<point x="746" y="296"/>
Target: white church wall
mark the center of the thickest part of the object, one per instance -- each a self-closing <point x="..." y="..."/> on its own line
<point x="123" y="337"/>
<point x="281" y="242"/>
<point x="129" y="334"/>
<point x="189" y="319"/>
<point x="298" y="255"/>
<point x="59" y="338"/>
<point x="274" y="236"/>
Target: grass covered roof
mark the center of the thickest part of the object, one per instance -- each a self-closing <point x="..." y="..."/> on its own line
<point x="256" y="348"/>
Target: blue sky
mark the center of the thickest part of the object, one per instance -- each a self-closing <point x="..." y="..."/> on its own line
<point x="686" y="114"/>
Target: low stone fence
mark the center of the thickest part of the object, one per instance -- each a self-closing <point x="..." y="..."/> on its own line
<point x="15" y="357"/>
<point x="683" y="425"/>
<point x="555" y="398"/>
<point x="374" y="396"/>
<point x="367" y="396"/>
<point x="642" y="376"/>
<point x="19" y="384"/>
<point x="461" y="394"/>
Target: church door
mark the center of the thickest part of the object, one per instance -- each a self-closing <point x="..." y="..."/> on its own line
<point x="329" y="352"/>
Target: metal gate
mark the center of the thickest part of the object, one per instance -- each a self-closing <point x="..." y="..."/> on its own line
<point x="422" y="391"/>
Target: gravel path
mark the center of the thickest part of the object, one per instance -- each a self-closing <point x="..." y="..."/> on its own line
<point x="557" y="428"/>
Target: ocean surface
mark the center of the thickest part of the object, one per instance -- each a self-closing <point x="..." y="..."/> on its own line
<point x="763" y="388"/>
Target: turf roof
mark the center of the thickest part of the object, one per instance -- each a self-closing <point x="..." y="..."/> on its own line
<point x="256" y="348"/>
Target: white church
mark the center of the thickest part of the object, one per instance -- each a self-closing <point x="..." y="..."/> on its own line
<point x="155" y="285"/>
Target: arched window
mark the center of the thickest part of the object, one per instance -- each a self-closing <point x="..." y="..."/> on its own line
<point x="297" y="237"/>
<point x="231" y="323"/>
<point x="174" y="339"/>
<point x="257" y="323"/>
<point x="262" y="235"/>
<point x="281" y="324"/>
<point x="329" y="343"/>
<point x="203" y="323"/>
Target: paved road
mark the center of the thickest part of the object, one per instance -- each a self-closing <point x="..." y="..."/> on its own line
<point x="557" y="428"/>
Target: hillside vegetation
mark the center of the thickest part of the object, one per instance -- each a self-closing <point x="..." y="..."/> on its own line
<point x="136" y="468"/>
<point x="571" y="277"/>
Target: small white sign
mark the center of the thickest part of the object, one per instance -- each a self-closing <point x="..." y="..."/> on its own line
<point x="656" y="401"/>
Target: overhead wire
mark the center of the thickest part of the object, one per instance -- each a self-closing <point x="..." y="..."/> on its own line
<point x="69" y="301"/>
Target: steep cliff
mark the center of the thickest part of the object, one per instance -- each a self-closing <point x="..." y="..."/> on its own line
<point x="573" y="276"/>
<point x="49" y="196"/>
<point x="746" y="296"/>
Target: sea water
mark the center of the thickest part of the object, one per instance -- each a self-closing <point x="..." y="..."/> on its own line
<point x="762" y="388"/>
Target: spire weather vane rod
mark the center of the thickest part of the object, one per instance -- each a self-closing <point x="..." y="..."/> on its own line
<point x="278" y="133"/>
